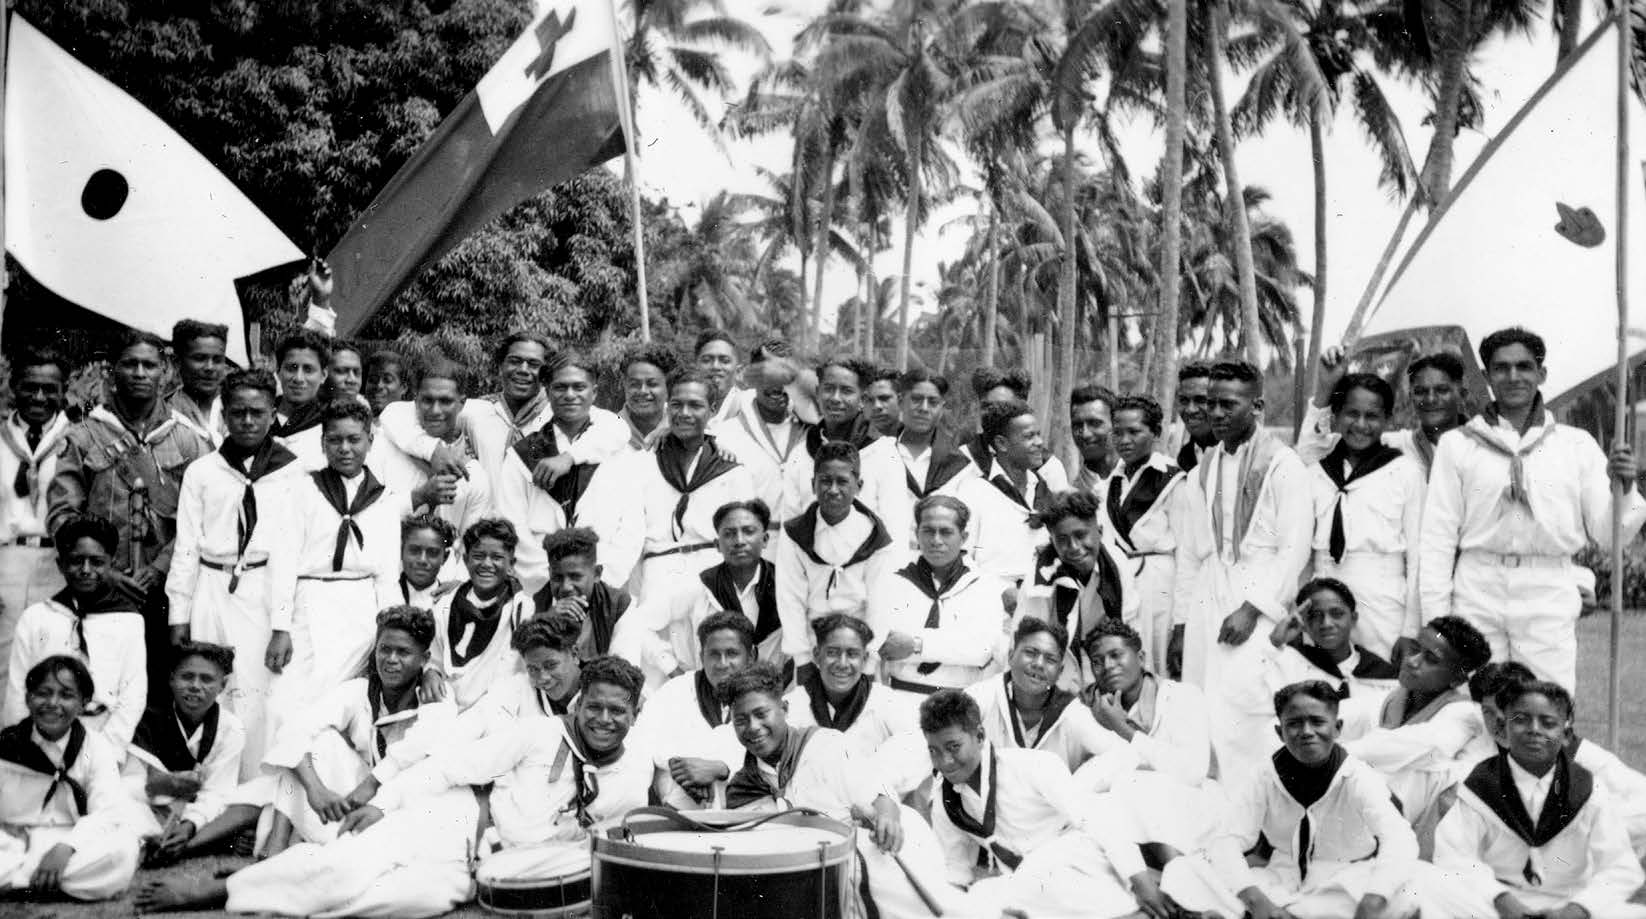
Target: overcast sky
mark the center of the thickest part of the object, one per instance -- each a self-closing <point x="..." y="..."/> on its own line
<point x="682" y="165"/>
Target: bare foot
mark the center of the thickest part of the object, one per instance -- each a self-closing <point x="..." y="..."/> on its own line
<point x="174" y="894"/>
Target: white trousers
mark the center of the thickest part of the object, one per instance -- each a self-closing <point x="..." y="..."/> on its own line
<point x="1333" y="891"/>
<point x="333" y="625"/>
<point x="100" y="868"/>
<point x="889" y="886"/>
<point x="1153" y="619"/>
<point x="240" y="621"/>
<point x="27" y="576"/>
<point x="1068" y="876"/>
<point x="1378" y="581"/>
<point x="1240" y="707"/>
<point x="1458" y="896"/>
<point x="1165" y="810"/>
<point x="1528" y="614"/>
<point x="339" y="768"/>
<point x="412" y="863"/>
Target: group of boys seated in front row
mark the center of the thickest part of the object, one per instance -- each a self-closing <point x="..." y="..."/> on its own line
<point x="439" y="644"/>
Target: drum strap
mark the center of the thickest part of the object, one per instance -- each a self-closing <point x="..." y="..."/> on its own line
<point x="483" y="821"/>
<point x="587" y="788"/>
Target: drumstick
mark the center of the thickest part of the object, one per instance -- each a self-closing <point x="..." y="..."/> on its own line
<point x="919" y="888"/>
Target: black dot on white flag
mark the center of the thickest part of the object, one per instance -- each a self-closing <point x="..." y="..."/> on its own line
<point x="105" y="194"/>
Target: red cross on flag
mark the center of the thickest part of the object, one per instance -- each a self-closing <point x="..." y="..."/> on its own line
<point x="550" y="109"/>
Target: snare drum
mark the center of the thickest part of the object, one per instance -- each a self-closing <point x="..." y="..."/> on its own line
<point x="542" y="882"/>
<point x="658" y="866"/>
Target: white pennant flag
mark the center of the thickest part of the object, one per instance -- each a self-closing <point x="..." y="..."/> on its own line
<point x="1528" y="236"/>
<point x="111" y="210"/>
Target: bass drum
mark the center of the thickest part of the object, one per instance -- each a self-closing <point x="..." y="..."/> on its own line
<point x="661" y="864"/>
<point x="536" y="882"/>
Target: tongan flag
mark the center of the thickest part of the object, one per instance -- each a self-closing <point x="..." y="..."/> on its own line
<point x="1527" y="237"/>
<point x="550" y="109"/>
<point x="109" y="209"/>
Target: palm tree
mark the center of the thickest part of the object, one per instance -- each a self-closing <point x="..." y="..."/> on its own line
<point x="713" y="278"/>
<point x="1171" y="170"/>
<point x="780" y="221"/>
<point x="1316" y="47"/>
<point x="1214" y="25"/>
<point x="672" y="46"/>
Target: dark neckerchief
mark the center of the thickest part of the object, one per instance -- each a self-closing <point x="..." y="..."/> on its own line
<point x="980" y="830"/>
<point x="335" y="492"/>
<point x="946" y="463"/>
<point x="860" y="435"/>
<point x="305" y="416"/>
<point x="1306" y="784"/>
<point x="1150" y="484"/>
<point x="1188" y="455"/>
<point x="17" y="746"/>
<point x="607" y="604"/>
<point x="722" y="586"/>
<point x="1056" y="702"/>
<point x="569" y="488"/>
<point x="268" y="457"/>
<point x="586" y="787"/>
<point x="1494" y="784"/>
<point x="811" y="680"/>
<point x="407" y="588"/>
<point x="1031" y="503"/>
<point x="747" y="785"/>
<point x="160" y="733"/>
<point x="672" y="460"/>
<point x="921" y="574"/>
<point x="106" y="600"/>
<point x="708" y="701"/>
<point x="1375" y="458"/>
<point x="374" y="698"/>
<point x="1067" y="584"/>
<point x="1369" y="667"/>
<point x="802" y="529"/>
<point x="484" y="621"/>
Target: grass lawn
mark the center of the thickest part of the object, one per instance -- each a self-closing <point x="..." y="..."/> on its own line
<point x="1593" y="635"/>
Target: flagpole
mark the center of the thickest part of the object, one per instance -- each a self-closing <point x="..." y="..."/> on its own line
<point x="1620" y="435"/>
<point x="631" y="167"/>
<point x="5" y="48"/>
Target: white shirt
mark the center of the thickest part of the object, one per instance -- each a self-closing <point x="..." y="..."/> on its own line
<point x="1085" y="749"/>
<point x="884" y="487"/>
<point x="1382" y="513"/>
<point x="1002" y="543"/>
<point x="220" y="771"/>
<point x="306" y="530"/>
<point x="209" y="519"/>
<point x="115" y="655"/>
<point x="971" y="618"/>
<point x="27" y="516"/>
<point x="97" y="769"/>
<point x="1534" y="790"/>
<point x="807" y="590"/>
<point x="771" y="452"/>
<point x="1276" y="544"/>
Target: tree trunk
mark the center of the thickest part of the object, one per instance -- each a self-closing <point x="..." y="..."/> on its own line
<point x="1063" y="372"/>
<point x="991" y="304"/>
<point x="1571" y="28"/>
<point x="872" y="305"/>
<point x="1251" y="332"/>
<point x="1171" y="249"/>
<point x="825" y="221"/>
<point x="1317" y="146"/>
<point x="909" y="221"/>
<point x="1358" y="320"/>
<point x="1453" y="37"/>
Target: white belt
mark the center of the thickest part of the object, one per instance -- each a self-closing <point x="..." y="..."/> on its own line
<point x="336" y="576"/>
<point x="1389" y="561"/>
<point x="1513" y="560"/>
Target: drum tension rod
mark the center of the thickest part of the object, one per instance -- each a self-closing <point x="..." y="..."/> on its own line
<point x="715" y="903"/>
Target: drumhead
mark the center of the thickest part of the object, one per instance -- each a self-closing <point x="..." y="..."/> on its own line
<point x="764" y="840"/>
<point x="530" y="865"/>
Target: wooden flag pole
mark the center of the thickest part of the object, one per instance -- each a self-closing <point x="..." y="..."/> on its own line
<point x="631" y="167"/>
<point x="1620" y="433"/>
<point x="5" y="49"/>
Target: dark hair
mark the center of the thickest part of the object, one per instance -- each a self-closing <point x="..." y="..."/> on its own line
<point x="417" y="623"/>
<point x="613" y="671"/>
<point x="1030" y="626"/>
<point x="58" y="663"/>
<point x="339" y="345"/>
<point x="1153" y="417"/>
<point x="134" y="337"/>
<point x="883" y="374"/>
<point x="1370" y="382"/>
<point x="1316" y="585"/>
<point x="219" y="656"/>
<point x="688" y="374"/>
<point x="757" y="678"/>
<point x="824" y="626"/>
<point x="754" y="506"/>
<point x="304" y="340"/>
<point x="185" y="331"/>
<point x="712" y="335"/>
<point x="914" y="376"/>
<point x="385" y="358"/>
<point x="1516" y="690"/>
<point x="1093" y="392"/>
<point x="440" y="368"/>
<point x="985" y="379"/>
<point x="997" y="417"/>
<point x="1110" y="627"/>
<point x="572" y="541"/>
<point x="1513" y="335"/>
<point x="770" y="347"/>
<point x="1493" y="676"/>
<point x="86" y="526"/>
<point x="1472" y="650"/>
<point x="950" y="708"/>
<point x="558" y="632"/>
<point x="1065" y="504"/>
<point x="39" y="356"/>
<point x="962" y="513"/>
<point x="1240" y="372"/>
<point x="490" y="528"/>
<point x="658" y="356"/>
<point x="1194" y="370"/>
<point x="441" y="527"/>
<point x="838" y="451"/>
<point x="1443" y="361"/>
<point x="1314" y="689"/>
<point x="501" y="352"/>
<point x="260" y="380"/>
<point x="346" y="409"/>
<point x="727" y="621"/>
<point x="570" y="358"/>
<point x="861" y="369"/>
